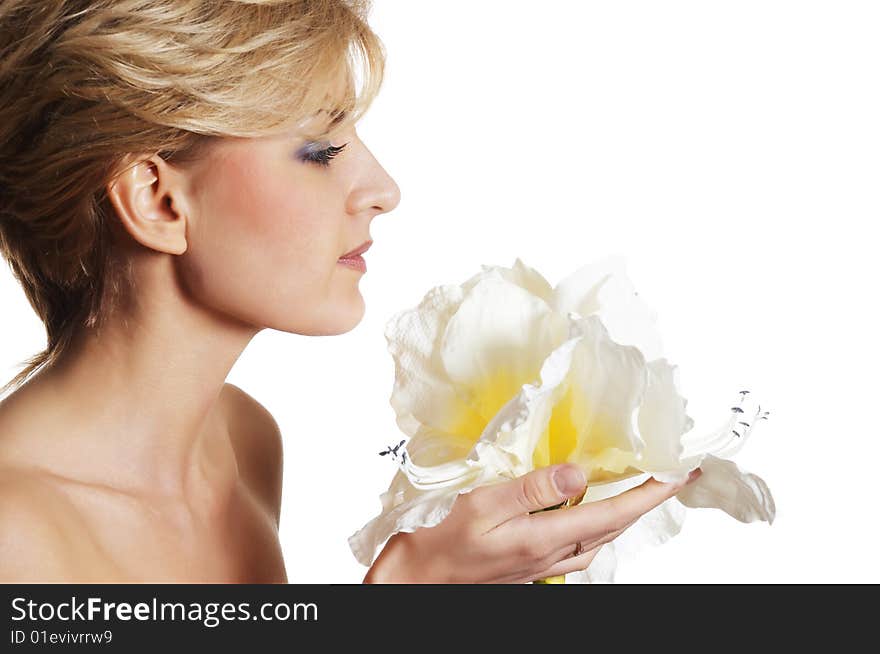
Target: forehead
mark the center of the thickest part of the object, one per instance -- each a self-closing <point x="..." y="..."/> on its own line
<point x="321" y="124"/>
<point x="339" y="96"/>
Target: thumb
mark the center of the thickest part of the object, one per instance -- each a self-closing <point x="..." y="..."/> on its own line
<point x="546" y="487"/>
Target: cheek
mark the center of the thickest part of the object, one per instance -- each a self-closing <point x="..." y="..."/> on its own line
<point x="265" y="243"/>
<point x="257" y="203"/>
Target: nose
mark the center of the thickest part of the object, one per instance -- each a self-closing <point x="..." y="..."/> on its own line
<point x="389" y="197"/>
<point x="379" y="194"/>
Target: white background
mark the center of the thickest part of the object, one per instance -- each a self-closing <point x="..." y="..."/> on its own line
<point x="729" y="150"/>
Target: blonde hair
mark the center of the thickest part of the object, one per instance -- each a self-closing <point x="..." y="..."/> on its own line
<point x="83" y="83"/>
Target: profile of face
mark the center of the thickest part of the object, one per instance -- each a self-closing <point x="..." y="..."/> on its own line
<point x="259" y="226"/>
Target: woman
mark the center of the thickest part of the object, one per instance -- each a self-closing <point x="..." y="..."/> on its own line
<point x="175" y="177"/>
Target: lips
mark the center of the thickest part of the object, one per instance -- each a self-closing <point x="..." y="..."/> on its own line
<point x="363" y="247"/>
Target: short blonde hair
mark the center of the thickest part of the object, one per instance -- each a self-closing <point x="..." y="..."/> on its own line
<point x="83" y="83"/>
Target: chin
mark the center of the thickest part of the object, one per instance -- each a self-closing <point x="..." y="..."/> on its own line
<point x="353" y="317"/>
<point x="336" y="321"/>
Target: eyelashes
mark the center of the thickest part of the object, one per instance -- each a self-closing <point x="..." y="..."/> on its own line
<point x="322" y="157"/>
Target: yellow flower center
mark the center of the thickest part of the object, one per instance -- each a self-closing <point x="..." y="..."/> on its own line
<point x="577" y="431"/>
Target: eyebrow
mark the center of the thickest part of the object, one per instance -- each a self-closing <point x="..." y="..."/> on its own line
<point x="340" y="116"/>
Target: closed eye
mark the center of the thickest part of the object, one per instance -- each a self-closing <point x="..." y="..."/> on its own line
<point x="322" y="157"/>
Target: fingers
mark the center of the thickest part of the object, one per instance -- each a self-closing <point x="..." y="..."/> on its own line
<point x="591" y="522"/>
<point x="566" y="552"/>
<point x="536" y="490"/>
<point x="571" y="564"/>
<point x="563" y="562"/>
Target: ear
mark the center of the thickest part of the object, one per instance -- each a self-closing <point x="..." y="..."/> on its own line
<point x="149" y="202"/>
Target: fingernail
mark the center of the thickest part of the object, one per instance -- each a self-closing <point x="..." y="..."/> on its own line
<point x="694" y="474"/>
<point x="569" y="479"/>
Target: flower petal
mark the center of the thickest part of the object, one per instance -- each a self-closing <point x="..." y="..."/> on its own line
<point x="404" y="508"/>
<point x="496" y="342"/>
<point x="724" y="486"/>
<point x="436" y="459"/>
<point x="423" y="393"/>
<point x="654" y="528"/>
<point x="601" y="569"/>
<point x="520" y="274"/>
<point x="662" y="418"/>
<point x="509" y="440"/>
<point x="608" y="381"/>
<point x="604" y="288"/>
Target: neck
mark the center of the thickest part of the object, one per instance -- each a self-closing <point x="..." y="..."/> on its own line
<point x="134" y="404"/>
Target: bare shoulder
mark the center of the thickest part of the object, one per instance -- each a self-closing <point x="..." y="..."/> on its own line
<point x="258" y="445"/>
<point x="36" y="534"/>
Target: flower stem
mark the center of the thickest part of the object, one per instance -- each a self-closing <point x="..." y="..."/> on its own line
<point x="558" y="579"/>
<point x="571" y="501"/>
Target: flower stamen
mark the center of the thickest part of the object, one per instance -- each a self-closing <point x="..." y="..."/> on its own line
<point x="759" y="415"/>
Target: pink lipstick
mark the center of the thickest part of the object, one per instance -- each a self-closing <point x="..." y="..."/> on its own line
<point x="353" y="259"/>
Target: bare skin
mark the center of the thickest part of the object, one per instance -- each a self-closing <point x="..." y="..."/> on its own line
<point x="62" y="529"/>
<point x="131" y="459"/>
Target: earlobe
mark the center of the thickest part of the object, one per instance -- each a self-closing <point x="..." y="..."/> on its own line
<point x="142" y="198"/>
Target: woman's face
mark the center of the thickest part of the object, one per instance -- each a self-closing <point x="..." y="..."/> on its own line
<point x="269" y="222"/>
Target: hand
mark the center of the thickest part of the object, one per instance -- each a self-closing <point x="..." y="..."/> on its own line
<point x="491" y="536"/>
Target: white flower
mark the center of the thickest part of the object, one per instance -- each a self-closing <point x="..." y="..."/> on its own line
<point x="504" y="374"/>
